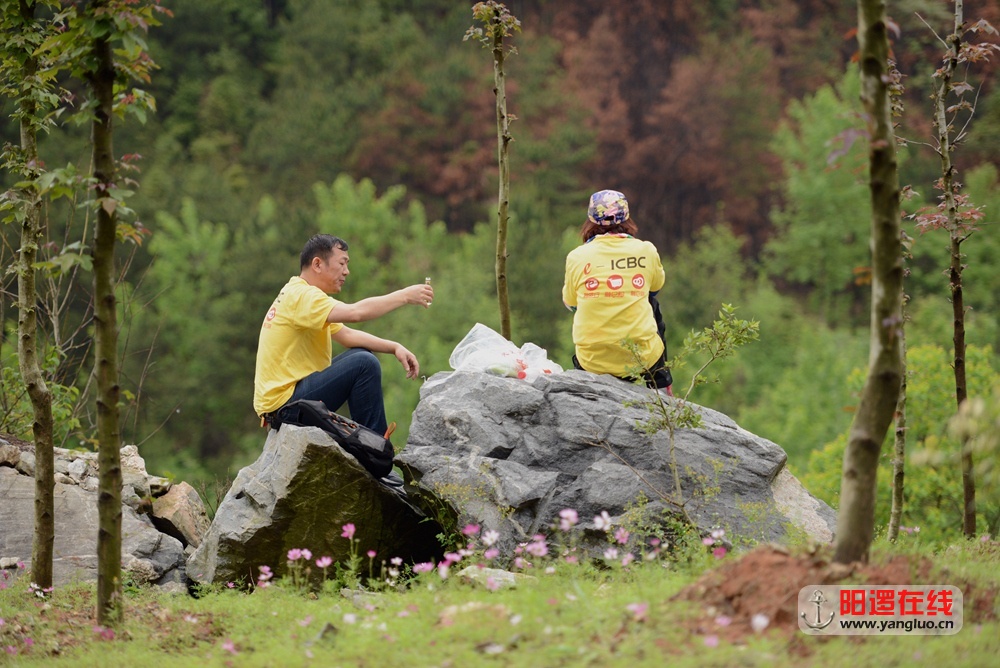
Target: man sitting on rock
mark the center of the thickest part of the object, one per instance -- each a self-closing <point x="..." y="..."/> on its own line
<point x="295" y="347"/>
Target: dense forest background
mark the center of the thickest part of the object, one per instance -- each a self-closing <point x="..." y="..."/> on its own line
<point x="733" y="127"/>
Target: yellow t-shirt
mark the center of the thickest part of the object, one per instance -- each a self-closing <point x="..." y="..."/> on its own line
<point x="294" y="342"/>
<point x="608" y="280"/>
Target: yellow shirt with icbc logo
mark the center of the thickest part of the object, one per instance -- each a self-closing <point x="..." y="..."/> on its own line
<point x="608" y="281"/>
<point x="294" y="342"/>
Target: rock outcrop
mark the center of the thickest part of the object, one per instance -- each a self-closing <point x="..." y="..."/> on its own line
<point x="508" y="455"/>
<point x="299" y="494"/>
<point x="149" y="555"/>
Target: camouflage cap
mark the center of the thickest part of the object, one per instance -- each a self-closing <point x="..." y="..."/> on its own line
<point x="607" y="208"/>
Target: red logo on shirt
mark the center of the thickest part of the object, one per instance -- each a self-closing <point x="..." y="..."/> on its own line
<point x="638" y="281"/>
<point x="270" y="314"/>
<point x="615" y="282"/>
<point x="592" y="284"/>
<point x="586" y="269"/>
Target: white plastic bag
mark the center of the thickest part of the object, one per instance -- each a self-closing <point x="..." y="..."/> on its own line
<point x="485" y="350"/>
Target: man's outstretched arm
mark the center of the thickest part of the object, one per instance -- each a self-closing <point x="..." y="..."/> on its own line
<point x="375" y="307"/>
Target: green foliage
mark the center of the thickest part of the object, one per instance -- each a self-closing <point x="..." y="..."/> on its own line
<point x="334" y="59"/>
<point x="719" y="341"/>
<point x="700" y="275"/>
<point x="822" y="230"/>
<point x="16" y="413"/>
<point x="977" y="426"/>
<point x="933" y="487"/>
<point x="194" y="376"/>
<point x="799" y="398"/>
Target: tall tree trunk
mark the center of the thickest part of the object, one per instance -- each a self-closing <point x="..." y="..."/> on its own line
<point x="109" y="539"/>
<point x="899" y="452"/>
<point x="856" y="518"/>
<point x="503" y="200"/>
<point x="961" y="391"/>
<point x="27" y="327"/>
<point x="945" y="148"/>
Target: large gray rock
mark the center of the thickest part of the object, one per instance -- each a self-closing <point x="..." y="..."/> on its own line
<point x="299" y="493"/>
<point x="509" y="455"/>
<point x="150" y="556"/>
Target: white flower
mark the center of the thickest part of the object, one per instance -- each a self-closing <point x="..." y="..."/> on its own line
<point x="759" y="622"/>
<point x="491" y="537"/>
<point x="603" y="521"/>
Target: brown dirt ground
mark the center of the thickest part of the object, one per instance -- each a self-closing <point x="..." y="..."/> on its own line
<point x="767" y="581"/>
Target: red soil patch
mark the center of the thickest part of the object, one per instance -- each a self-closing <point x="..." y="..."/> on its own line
<point x="767" y="581"/>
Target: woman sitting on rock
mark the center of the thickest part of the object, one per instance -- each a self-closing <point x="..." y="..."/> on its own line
<point x="610" y="285"/>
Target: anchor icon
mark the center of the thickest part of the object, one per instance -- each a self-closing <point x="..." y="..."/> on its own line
<point x="819" y="600"/>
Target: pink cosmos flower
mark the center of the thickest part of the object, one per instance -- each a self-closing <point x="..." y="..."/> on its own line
<point x="371" y="554"/>
<point x="711" y="641"/>
<point x="567" y="518"/>
<point x="306" y="554"/>
<point x="538" y="548"/>
<point x="491" y="554"/>
<point x="492" y="584"/>
<point x="294" y="555"/>
<point x="638" y="610"/>
<point x="719" y="552"/>
<point x="603" y="521"/>
<point x="611" y="553"/>
<point x="470" y="529"/>
<point x="621" y="535"/>
<point x="424" y="567"/>
<point x="324" y="562"/>
<point x="628" y="559"/>
<point x="348" y="532"/>
<point x="230" y="647"/>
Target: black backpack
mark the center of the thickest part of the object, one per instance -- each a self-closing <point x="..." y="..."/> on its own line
<point x="371" y="449"/>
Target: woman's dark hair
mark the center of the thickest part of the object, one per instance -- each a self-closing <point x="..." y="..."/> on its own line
<point x="320" y="246"/>
<point x="591" y="229"/>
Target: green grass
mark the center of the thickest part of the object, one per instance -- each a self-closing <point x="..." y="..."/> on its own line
<point x="578" y="615"/>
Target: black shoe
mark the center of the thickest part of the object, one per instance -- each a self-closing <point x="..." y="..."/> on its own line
<point x="391" y="480"/>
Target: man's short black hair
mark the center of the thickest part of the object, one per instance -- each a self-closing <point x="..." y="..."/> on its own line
<point x="320" y="246"/>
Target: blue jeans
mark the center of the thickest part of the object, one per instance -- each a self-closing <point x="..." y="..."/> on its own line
<point x="354" y="377"/>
